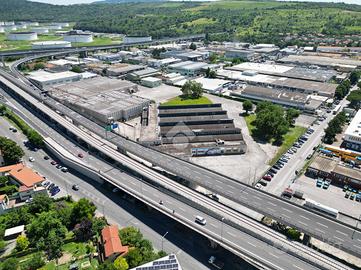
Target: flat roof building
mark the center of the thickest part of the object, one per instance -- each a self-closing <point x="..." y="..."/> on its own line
<point x="352" y="135"/>
<point x="122" y="69"/>
<point x="101" y="98"/>
<point x="188" y="68"/>
<point x="140" y="74"/>
<point x="45" y="79"/>
<point x="151" y="82"/>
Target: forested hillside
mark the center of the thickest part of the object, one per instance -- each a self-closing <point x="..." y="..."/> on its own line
<point x="247" y="20"/>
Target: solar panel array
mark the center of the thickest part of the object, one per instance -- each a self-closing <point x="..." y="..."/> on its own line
<point x="169" y="263"/>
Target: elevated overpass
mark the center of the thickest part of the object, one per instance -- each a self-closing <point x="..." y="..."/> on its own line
<point x="254" y="242"/>
<point x="313" y="223"/>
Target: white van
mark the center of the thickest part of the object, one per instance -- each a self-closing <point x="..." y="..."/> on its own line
<point x="201" y="220"/>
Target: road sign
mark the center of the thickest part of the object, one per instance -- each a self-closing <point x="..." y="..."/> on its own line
<point x="115" y="125"/>
<point x="108" y="128"/>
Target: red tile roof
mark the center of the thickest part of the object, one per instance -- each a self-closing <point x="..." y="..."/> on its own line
<point x="111" y="241"/>
<point x="22" y="174"/>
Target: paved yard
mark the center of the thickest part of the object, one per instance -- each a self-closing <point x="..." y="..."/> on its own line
<point x="160" y="93"/>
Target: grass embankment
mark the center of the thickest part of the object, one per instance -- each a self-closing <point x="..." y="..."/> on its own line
<point x="187" y="101"/>
<point x="288" y="139"/>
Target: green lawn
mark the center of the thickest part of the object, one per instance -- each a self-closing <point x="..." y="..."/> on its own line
<point x="288" y="139"/>
<point x="77" y="249"/>
<point x="181" y="101"/>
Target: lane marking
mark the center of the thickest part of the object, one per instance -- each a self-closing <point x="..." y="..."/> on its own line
<point x="297" y="266"/>
<point x="317" y="229"/>
<point x="230" y="186"/>
<point x="323" y="225"/>
<point x="286" y="216"/>
<point x="304" y="217"/>
<point x="287" y="210"/>
<point x="340" y="239"/>
<point x="213" y="225"/>
<point x="303" y="223"/>
<point x="345" y="234"/>
<point x="271" y="203"/>
<point x="258" y="198"/>
<point x="357" y="246"/>
<point x="252" y="244"/>
<point x="270" y="209"/>
<point x="273" y="255"/>
<point x="231" y="234"/>
<point x="181" y="208"/>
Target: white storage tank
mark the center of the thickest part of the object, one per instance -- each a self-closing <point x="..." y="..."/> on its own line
<point x="10" y="27"/>
<point x="63" y="24"/>
<point x="40" y="30"/>
<point x="54" y="27"/>
<point x="9" y="23"/>
<point x="136" y="39"/>
<point x="79" y="37"/>
<point x="51" y="44"/>
<point x="2" y="30"/>
<point x="22" y="36"/>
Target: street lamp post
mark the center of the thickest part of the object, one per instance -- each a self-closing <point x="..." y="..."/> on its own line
<point x="163" y="239"/>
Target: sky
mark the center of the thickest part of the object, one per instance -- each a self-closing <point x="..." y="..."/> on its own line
<point x="68" y="2"/>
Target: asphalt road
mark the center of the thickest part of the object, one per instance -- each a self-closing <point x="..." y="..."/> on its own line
<point x="254" y="199"/>
<point x="231" y="235"/>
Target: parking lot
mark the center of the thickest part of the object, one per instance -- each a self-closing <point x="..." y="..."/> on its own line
<point x="333" y="196"/>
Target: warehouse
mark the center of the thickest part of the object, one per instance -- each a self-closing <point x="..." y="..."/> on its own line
<point x="50" y="44"/>
<point x="282" y="97"/>
<point x="352" y="135"/>
<point x="122" y="69"/>
<point x="101" y="98"/>
<point x="188" y="68"/>
<point x="151" y="82"/>
<point x="22" y="36"/>
<point x="287" y="71"/>
<point x="158" y="63"/>
<point x="140" y="74"/>
<point x="136" y="39"/>
<point x="331" y="168"/>
<point x="40" y="30"/>
<point x="214" y="86"/>
<point x="44" y="79"/>
<point x="303" y="86"/>
<point x="240" y="53"/>
<point x="74" y="36"/>
<point x="337" y="63"/>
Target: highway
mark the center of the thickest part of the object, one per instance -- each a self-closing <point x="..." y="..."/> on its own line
<point x="262" y="202"/>
<point x="230" y="236"/>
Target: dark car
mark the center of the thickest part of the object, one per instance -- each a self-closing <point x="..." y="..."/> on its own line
<point x="75" y="187"/>
<point x="46" y="157"/>
<point x="53" y="162"/>
<point x="51" y="186"/>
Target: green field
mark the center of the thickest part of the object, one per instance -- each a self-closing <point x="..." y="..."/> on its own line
<point x="181" y="101"/>
<point x="288" y="139"/>
<point x="6" y="45"/>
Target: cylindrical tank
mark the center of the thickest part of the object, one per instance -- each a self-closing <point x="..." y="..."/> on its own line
<point x="22" y="36"/>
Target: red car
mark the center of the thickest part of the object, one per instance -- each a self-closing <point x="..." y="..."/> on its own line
<point x="267" y="177"/>
<point x="53" y="162"/>
<point x="80" y="155"/>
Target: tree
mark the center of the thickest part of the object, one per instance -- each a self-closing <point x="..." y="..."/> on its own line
<point x="10" y="264"/>
<point x="82" y="209"/>
<point x="293" y="233"/>
<point x="39" y="65"/>
<point x="98" y="224"/>
<point x="192" y="89"/>
<point x="76" y="69"/>
<point x="193" y="46"/>
<point x="107" y="265"/>
<point x="22" y="243"/>
<point x="131" y="236"/>
<point x="54" y="242"/>
<point x="355" y="99"/>
<point x="35" y="138"/>
<point x="355" y="76"/>
<point x="247" y="106"/>
<point x="334" y="127"/>
<point x="34" y="263"/>
<point x="41" y="203"/>
<point x="213" y="58"/>
<point x="11" y="151"/>
<point x="120" y="263"/>
<point x="134" y="257"/>
<point x="291" y="115"/>
<point x="84" y="230"/>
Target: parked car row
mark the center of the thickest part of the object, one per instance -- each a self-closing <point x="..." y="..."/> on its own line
<point x="51" y="187"/>
<point x="352" y="193"/>
<point x="57" y="165"/>
<point x="321" y="183"/>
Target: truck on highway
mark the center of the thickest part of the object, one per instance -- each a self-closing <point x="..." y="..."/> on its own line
<point x="215" y="262"/>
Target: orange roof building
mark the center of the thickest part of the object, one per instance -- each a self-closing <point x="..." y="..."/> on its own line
<point x="112" y="245"/>
<point x="22" y="175"/>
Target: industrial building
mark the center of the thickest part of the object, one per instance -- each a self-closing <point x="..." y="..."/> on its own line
<point x="151" y="82"/>
<point x="214" y="86"/>
<point x="352" y="135"/>
<point x="159" y="63"/>
<point x="320" y="75"/>
<point x="44" y="79"/>
<point x="195" y="124"/>
<point x="140" y="74"/>
<point x="331" y="168"/>
<point x="188" y="68"/>
<point x="40" y="30"/>
<point x="50" y="44"/>
<point x="122" y="69"/>
<point x="186" y="55"/>
<point x="22" y="36"/>
<point x="240" y="53"/>
<point x="172" y="78"/>
<point x="78" y="37"/>
<point x="101" y="99"/>
<point x="136" y="39"/>
<point x="290" y="84"/>
<point x="338" y="63"/>
<point x="278" y="96"/>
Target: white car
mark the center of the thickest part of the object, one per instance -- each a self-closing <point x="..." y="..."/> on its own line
<point x="258" y="186"/>
<point x="201" y="220"/>
<point x="31" y="159"/>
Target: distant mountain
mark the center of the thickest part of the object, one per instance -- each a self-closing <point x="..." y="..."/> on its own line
<point x="127" y="1"/>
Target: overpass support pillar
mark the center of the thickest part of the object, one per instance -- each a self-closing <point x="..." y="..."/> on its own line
<point x="306" y="239"/>
<point x="213" y="244"/>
